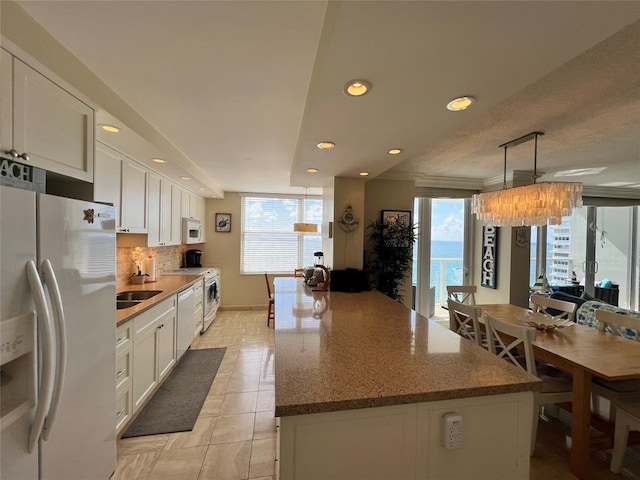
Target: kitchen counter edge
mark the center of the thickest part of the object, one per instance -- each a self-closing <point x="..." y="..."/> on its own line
<point x="169" y="284"/>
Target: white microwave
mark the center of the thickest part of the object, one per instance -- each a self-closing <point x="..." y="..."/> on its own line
<point x="191" y="230"/>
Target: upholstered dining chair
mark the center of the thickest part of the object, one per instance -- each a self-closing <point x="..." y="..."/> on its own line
<point x="554" y="307"/>
<point x="462" y="293"/>
<point x="614" y="391"/>
<point x="464" y="320"/>
<point x="508" y="341"/>
<point x="271" y="312"/>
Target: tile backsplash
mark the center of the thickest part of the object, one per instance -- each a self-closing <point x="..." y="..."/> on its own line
<point x="167" y="258"/>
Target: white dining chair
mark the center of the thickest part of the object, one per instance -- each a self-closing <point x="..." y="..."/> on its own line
<point x="551" y="306"/>
<point x="511" y="342"/>
<point x="614" y="391"/>
<point x="464" y="320"/>
<point x="462" y="293"/>
<point x="627" y="420"/>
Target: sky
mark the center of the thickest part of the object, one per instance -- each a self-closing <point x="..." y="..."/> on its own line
<point x="447" y="220"/>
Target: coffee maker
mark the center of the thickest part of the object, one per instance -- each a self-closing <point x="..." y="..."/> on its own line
<point x="192" y="258"/>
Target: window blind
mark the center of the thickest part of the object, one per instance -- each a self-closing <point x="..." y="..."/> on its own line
<point x="268" y="242"/>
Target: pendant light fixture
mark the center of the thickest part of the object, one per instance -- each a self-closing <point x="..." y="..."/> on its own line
<point x="529" y="205"/>
<point x="302" y="226"/>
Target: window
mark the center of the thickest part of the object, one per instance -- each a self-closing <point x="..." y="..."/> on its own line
<point x="268" y="242"/>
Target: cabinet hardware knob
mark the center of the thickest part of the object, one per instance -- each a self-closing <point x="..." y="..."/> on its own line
<point x="14" y="153"/>
<point x="24" y="156"/>
<point x="119" y="374"/>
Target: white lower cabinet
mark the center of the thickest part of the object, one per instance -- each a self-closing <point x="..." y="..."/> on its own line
<point x="198" y="314"/>
<point x="154" y="349"/>
<point x="124" y="357"/>
<point x="405" y="442"/>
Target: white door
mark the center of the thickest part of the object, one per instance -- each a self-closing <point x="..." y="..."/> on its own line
<point x="79" y="240"/>
<point x="18" y="240"/>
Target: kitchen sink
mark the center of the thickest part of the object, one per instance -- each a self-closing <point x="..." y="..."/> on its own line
<point x="120" y="304"/>
<point x="137" y="295"/>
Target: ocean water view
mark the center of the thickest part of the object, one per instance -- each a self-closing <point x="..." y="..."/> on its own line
<point x="446" y="266"/>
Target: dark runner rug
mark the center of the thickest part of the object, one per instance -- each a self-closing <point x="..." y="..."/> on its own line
<point x="177" y="403"/>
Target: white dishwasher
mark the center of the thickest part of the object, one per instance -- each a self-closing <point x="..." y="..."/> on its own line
<point x="186" y="307"/>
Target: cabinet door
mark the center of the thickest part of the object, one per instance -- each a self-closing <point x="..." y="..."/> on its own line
<point x="185" y="206"/>
<point x="51" y="125"/>
<point x="145" y="367"/>
<point x="134" y="197"/>
<point x="166" y="338"/>
<point x="176" y="215"/>
<point x="165" y="211"/>
<point x="154" y="216"/>
<point x="108" y="170"/>
<point x="6" y="100"/>
<point x="201" y="207"/>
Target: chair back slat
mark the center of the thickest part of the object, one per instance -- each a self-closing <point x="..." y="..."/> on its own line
<point x="464" y="320"/>
<point x="507" y="340"/>
<point x="462" y="293"/>
<point x="551" y="306"/>
<point x="617" y="323"/>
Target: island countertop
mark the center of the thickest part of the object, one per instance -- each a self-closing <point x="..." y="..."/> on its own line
<point x="341" y="351"/>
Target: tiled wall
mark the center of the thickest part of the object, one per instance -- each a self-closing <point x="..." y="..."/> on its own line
<point x="167" y="258"/>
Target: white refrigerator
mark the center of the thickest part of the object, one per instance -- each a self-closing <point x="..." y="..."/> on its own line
<point x="57" y="338"/>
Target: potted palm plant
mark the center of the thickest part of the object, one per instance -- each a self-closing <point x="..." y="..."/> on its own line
<point x="391" y="255"/>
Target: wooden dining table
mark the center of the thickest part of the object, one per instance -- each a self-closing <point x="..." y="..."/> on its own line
<point x="584" y="352"/>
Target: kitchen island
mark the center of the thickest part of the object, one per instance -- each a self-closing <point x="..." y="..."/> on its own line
<point x="363" y="386"/>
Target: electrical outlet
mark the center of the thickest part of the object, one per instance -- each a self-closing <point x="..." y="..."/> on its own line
<point x="452" y="430"/>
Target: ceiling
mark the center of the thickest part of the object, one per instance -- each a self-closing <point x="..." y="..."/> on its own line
<point x="245" y="90"/>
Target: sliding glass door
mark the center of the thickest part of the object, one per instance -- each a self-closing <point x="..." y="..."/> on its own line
<point x="441" y="256"/>
<point x="595" y="250"/>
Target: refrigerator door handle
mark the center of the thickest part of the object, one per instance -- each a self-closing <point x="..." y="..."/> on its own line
<point x="51" y="282"/>
<point x="45" y="335"/>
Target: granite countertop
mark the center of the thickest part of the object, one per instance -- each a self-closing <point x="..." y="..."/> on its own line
<point x="169" y="284"/>
<point x="340" y="351"/>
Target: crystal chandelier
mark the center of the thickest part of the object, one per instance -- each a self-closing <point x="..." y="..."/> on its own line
<point x="529" y="205"/>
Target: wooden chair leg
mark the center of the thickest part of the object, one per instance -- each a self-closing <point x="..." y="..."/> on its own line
<point x="621" y="437"/>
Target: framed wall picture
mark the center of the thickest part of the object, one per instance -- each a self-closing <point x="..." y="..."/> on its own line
<point x="401" y="217"/>
<point x="223" y="222"/>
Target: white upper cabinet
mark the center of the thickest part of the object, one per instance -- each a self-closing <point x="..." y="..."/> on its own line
<point x="123" y="182"/>
<point x="164" y="212"/>
<point x="108" y="183"/>
<point x="43" y="124"/>
<point x="134" y="197"/>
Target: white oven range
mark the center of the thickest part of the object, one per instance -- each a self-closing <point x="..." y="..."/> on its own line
<point x="211" y="297"/>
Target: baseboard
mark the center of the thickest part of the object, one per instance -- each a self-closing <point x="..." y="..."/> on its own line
<point x="242" y="307"/>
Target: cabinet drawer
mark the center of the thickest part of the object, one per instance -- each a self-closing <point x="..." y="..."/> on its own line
<point x="124" y="337"/>
<point x="123" y="407"/>
<point x="145" y="321"/>
<point x="123" y="368"/>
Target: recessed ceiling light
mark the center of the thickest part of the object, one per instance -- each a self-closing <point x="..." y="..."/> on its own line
<point x="312" y="170"/>
<point x="159" y="160"/>
<point x="364" y="174"/>
<point x="460" y="103"/>
<point x="109" y="128"/>
<point x="202" y="189"/>
<point x="357" y="88"/>
<point x="326" y="145"/>
<point x="394" y="151"/>
<point x="185" y="178"/>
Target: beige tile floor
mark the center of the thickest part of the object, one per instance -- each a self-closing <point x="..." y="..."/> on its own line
<point x="234" y="437"/>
